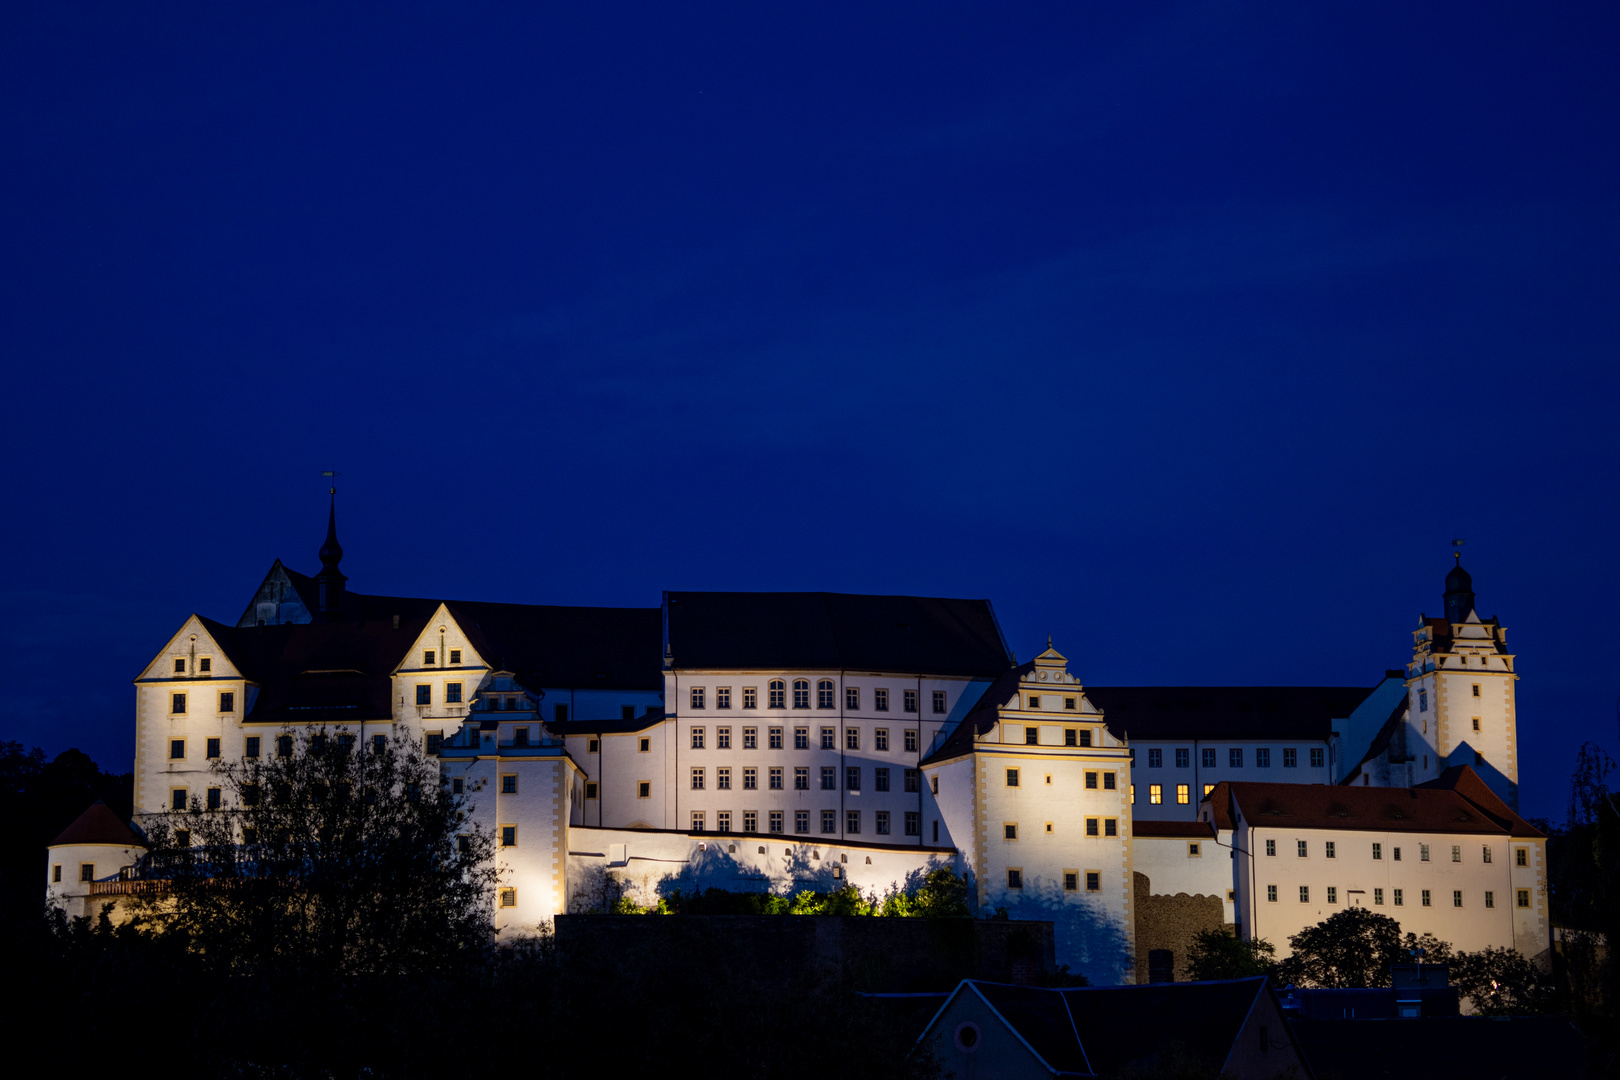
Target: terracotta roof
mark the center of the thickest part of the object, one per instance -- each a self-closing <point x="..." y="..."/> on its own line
<point x="1438" y="807"/>
<point x="833" y="631"/>
<point x="1192" y="830"/>
<point x="1226" y="712"/>
<point x="99" y="825"/>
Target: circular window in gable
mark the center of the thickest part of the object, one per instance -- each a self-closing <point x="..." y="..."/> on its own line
<point x="967" y="1037"/>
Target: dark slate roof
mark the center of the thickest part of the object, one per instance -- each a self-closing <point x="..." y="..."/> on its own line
<point x="1455" y="803"/>
<point x="99" y="825"/>
<point x="982" y="717"/>
<point x="834" y="631"/>
<point x="1106" y="1030"/>
<point x="582" y="647"/>
<point x="651" y="718"/>
<point x="1226" y="712"/>
<point x="1191" y="830"/>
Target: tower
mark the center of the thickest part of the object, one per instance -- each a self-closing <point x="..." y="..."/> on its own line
<point x="1460" y="693"/>
<point x="329" y="582"/>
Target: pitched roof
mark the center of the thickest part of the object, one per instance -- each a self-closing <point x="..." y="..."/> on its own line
<point x="982" y="717"/>
<point x="1438" y="807"/>
<point x="1226" y="712"/>
<point x="1191" y="830"/>
<point x="833" y="631"/>
<point x="99" y="825"/>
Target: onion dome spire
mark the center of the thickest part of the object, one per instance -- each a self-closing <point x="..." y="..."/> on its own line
<point x="1459" y="595"/>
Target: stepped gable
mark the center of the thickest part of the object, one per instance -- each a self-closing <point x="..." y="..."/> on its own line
<point x="821" y="631"/>
<point x="1428" y="808"/>
<point x="1226" y="712"/>
<point x="99" y="825"/>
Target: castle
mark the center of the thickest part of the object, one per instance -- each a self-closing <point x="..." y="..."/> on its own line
<point x="766" y="740"/>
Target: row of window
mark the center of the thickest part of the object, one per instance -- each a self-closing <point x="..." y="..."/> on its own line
<point x="826" y="697"/>
<point x="776" y="776"/>
<point x="227" y="703"/>
<point x="1330" y="850"/>
<point x="205" y="665"/>
<point x="1398" y="896"/>
<point x="801" y="738"/>
<point x="1094" y="827"/>
<point x="1071" y="736"/>
<point x="1234" y="758"/>
<point x="1109" y="780"/>
<point x="1035" y="702"/>
<point x="1071" y="879"/>
<point x="253" y="745"/>
<point x="776" y="821"/>
<point x="430" y="657"/>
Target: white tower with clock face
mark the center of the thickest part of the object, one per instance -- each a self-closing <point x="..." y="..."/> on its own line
<point x="1460" y="694"/>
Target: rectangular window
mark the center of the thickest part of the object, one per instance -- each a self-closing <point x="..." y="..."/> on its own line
<point x="434" y="743"/>
<point x="801" y="694"/>
<point x="1012" y="777"/>
<point x="722" y="697"/>
<point x="1155" y="759"/>
<point x="1317" y="757"/>
<point x="1271" y="893"/>
<point x="912" y="778"/>
<point x="1378" y="897"/>
<point x="1069" y="703"/>
<point x="852" y="738"/>
<point x="1085" y="736"/>
<point x="252" y="748"/>
<point x="880" y="700"/>
<point x="178" y="703"/>
<point x="1333" y="894"/>
<point x="829" y="778"/>
<point x="1396" y="855"/>
<point x="1015" y="878"/>
<point x="227" y="701"/>
<point x="214" y="795"/>
<point x="697" y="779"/>
<point x="801" y="821"/>
<point x="852" y="822"/>
<point x="1304" y="852"/>
<point x="1304" y="894"/>
<point x="1476" y="689"/>
<point x="801" y="779"/>
<point x="880" y="779"/>
<point x="1423" y="853"/>
<point x="750" y="738"/>
<point x="778" y="694"/>
<point x="1485" y="853"/>
<point x="750" y="697"/>
<point x="852" y="778"/>
<point x="939" y="701"/>
<point x="1290" y="759"/>
<point x="509" y="784"/>
<point x="828" y="735"/>
<point x="829" y="821"/>
<point x="722" y="821"/>
<point x="284" y="746"/>
<point x="455" y="656"/>
<point x="1271" y="847"/>
<point x="1110" y="826"/>
<point x="750" y="779"/>
<point x="1209" y="758"/>
<point x="643" y="789"/>
<point x="1071" y="737"/>
<point x="911" y="741"/>
<point x="697" y="821"/>
<point x="1009" y="830"/>
<point x="801" y="738"/>
<point x="1108" y="781"/>
<point x="1378" y="851"/>
<point x="212" y="748"/>
<point x="1183" y="794"/>
<point x="824" y="694"/>
<point x="775" y="738"/>
<point x="697" y="738"/>
<point x="1456" y="853"/>
<point x="880" y="739"/>
<point x="1262" y="758"/>
<point x="722" y="738"/>
<point x="722" y="778"/>
<point x="590" y="789"/>
<point x="452" y="693"/>
<point x="1476" y="723"/>
<point x="1155" y="794"/>
<point x="427" y="657"/>
<point x="1093" y="881"/>
<point x="911" y="701"/>
<point x="424" y="695"/>
<point x="775" y="777"/>
<point x="508" y="836"/>
<point x="1183" y="759"/>
<point x="1091" y="781"/>
<point x="852" y="698"/>
<point x="1034" y="701"/>
<point x="1425" y="897"/>
<point x="1521" y="856"/>
<point x="1524" y="898"/>
<point x="1456" y="898"/>
<point x="933" y="784"/>
<point x="1330" y="849"/>
<point x="750" y="821"/>
<point x="1490" y="899"/>
<point x="1071" y="881"/>
<point x="1234" y="757"/>
<point x="913" y="823"/>
<point x="882" y="826"/>
<point x="697" y="697"/>
<point x="1092" y="828"/>
<point x="379" y="743"/>
<point x="1032" y="736"/>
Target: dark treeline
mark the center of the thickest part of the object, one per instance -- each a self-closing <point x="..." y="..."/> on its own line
<point x="39" y="798"/>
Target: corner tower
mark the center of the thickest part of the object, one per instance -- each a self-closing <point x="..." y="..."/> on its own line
<point x="1461" y="706"/>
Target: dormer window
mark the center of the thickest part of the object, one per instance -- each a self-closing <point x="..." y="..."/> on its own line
<point x="427" y="657"/>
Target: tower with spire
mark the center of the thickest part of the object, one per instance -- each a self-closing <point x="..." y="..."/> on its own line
<point x="329" y="598"/>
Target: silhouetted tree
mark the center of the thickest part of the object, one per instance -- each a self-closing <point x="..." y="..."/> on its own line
<point x="1221" y="954"/>
<point x="1502" y="982"/>
<point x="1350" y="948"/>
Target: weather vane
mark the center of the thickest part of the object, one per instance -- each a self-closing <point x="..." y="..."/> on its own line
<point x="333" y="473"/>
<point x="1456" y="548"/>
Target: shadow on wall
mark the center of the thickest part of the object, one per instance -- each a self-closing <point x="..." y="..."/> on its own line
<point x="1089" y="939"/>
<point x="1494" y="778"/>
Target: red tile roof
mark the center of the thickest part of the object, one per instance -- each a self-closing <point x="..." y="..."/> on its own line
<point x="99" y="825"/>
<point x="1456" y="803"/>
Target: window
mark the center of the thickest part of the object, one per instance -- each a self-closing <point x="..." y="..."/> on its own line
<point x="852" y="822"/>
<point x="1092" y="827"/>
<point x="827" y="736"/>
<point x="776" y="821"/>
<point x="1234" y="757"/>
<point x="1317" y="757"/>
<point x="775" y="777"/>
<point x="1271" y="847"/>
<point x="933" y="784"/>
<point x="1423" y="701"/>
<point x="590" y="789"/>
<point x="1183" y="794"/>
<point x="1108" y="781"/>
<point x="697" y="738"/>
<point x="1332" y="894"/>
<point x="880" y="779"/>
<point x="1304" y="853"/>
<point x="913" y="823"/>
<point x="227" y="701"/>
<point x="880" y="739"/>
<point x="829" y="778"/>
<point x="87" y="872"/>
<point x="1330" y="849"/>
<point x="1523" y="898"/>
<point x="801" y="779"/>
<point x="593" y="746"/>
<point x="424" y="694"/>
<point x="1290" y="759"/>
<point x="852" y="698"/>
<point x="852" y="778"/>
<point x="1456" y="853"/>
<point x="177" y="749"/>
<point x="1485" y="853"/>
<point x="1378" y="851"/>
<point x="1521" y="856"/>
<point x="1183" y="758"/>
<point x="722" y="778"/>
<point x="1015" y="878"/>
<point x="1209" y="759"/>
<point x="722" y="697"/>
<point x="750" y="821"/>
<point x="852" y="738"/>
<point x="697" y="821"/>
<point x="697" y="779"/>
<point x="1425" y="897"/>
<point x="251" y="750"/>
<point x="801" y="738"/>
<point x="1456" y="898"/>
<point x="509" y="784"/>
<point x="751" y="697"/>
<point x="1423" y="853"/>
<point x="881" y="818"/>
<point x="1091" y="781"/>
<point x="1208" y="788"/>
<point x="1012" y="777"/>
<point x="697" y="697"/>
<point x="1378" y="897"/>
<point x="750" y="779"/>
<point x="939" y="701"/>
<point x="1085" y="736"/>
<point x="1071" y="737"/>
<point x="1304" y="894"/>
<point x="284" y="746"/>
<point x="722" y="738"/>
<point x="1262" y="758"/>
<point x="1035" y="701"/>
<point x="1271" y="893"/>
<point x="1093" y="881"/>
<point x="910" y="701"/>
<point x="1110" y="826"/>
<point x="452" y="693"/>
<point x="180" y="667"/>
<point x="913" y="776"/>
<point x="801" y="821"/>
<point x="508" y="836"/>
<point x="1193" y="849"/>
<point x="1396" y="855"/>
<point x="212" y="748"/>
<point x="829" y="821"/>
<point x="428" y="657"/>
<point x="433" y="743"/>
<point x="1476" y="691"/>
<point x="1155" y="759"/>
<point x="1032" y="736"/>
<point x="1069" y="703"/>
<point x="778" y="699"/>
<point x="643" y="789"/>
<point x="880" y="700"/>
<point x="1476" y="723"/>
<point x="1155" y="794"/>
<point x="643" y="746"/>
<point x="911" y="741"/>
<point x="1490" y="899"/>
<point x="824" y="694"/>
<point x="177" y="704"/>
<point x="801" y="693"/>
<point x="214" y="795"/>
<point x="1009" y="830"/>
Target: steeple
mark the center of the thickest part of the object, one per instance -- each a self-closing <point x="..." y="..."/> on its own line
<point x="329" y="582"/>
<point x="1459" y="593"/>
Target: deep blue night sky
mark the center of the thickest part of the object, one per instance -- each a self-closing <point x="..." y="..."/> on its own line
<point x="1189" y="333"/>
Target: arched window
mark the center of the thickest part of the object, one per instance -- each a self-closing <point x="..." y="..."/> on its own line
<point x="801" y="693"/>
<point x="778" y="694"/>
<point x="824" y="694"/>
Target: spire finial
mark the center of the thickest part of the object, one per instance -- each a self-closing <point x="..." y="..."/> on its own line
<point x="1456" y="549"/>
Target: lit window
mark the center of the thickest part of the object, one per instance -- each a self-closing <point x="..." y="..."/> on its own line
<point x="1183" y="794"/>
<point x="1155" y="794"/>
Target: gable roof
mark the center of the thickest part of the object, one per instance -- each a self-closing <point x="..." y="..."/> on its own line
<point x="99" y="825"/>
<point x="1468" y="784"/>
<point x="1436" y="807"/>
<point x="1226" y="712"/>
<point x="833" y="631"/>
<point x="982" y="717"/>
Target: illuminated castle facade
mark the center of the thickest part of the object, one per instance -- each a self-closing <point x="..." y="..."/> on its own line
<point x="771" y="740"/>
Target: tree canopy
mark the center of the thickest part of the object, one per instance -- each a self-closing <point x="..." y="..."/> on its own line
<point x="1350" y="948"/>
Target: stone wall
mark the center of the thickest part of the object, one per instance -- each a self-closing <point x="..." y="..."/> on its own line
<point x="1169" y="922"/>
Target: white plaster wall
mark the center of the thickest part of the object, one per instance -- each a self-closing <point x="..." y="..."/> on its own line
<point x="1171" y="870"/>
<point x="1197" y="777"/>
<point x="71" y="894"/>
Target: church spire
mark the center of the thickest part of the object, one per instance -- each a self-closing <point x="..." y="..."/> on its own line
<point x="329" y="582"/>
<point x="1459" y="592"/>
